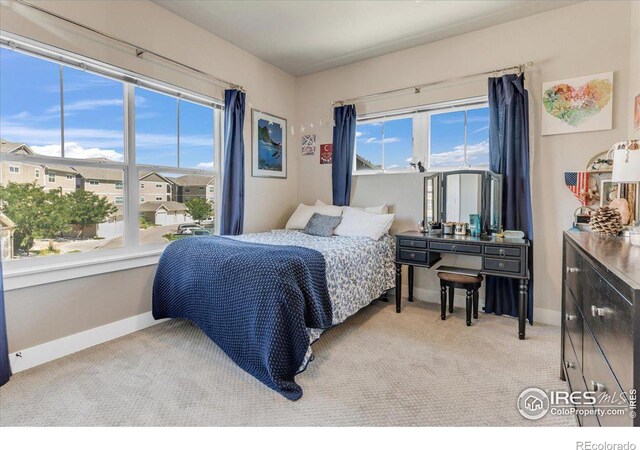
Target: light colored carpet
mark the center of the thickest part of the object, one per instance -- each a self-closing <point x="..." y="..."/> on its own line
<point x="379" y="368"/>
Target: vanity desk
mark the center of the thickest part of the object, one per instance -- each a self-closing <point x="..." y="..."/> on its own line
<point x="500" y="257"/>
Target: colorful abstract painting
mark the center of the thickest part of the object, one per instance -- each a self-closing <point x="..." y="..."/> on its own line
<point x="326" y="154"/>
<point x="269" y="145"/>
<point x="578" y="104"/>
<point x="309" y="144"/>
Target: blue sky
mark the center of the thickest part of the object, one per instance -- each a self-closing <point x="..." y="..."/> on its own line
<point x="94" y="116"/>
<point x="446" y="140"/>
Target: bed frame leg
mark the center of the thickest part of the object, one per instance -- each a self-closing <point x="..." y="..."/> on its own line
<point x="384" y="297"/>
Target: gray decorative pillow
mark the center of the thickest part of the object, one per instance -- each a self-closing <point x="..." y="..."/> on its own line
<point x="321" y="225"/>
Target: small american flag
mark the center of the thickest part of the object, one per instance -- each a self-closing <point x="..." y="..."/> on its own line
<point x="578" y="183"/>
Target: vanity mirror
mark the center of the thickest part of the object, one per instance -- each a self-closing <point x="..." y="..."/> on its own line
<point x="454" y="196"/>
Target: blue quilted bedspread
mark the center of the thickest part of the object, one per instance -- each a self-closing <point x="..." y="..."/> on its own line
<point x="255" y="301"/>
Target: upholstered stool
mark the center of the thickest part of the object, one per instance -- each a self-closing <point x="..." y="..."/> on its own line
<point x="455" y="277"/>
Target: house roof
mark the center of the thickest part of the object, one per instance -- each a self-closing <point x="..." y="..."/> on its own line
<point x="8" y="147"/>
<point x="154" y="176"/>
<point x="169" y="206"/>
<point x="59" y="168"/>
<point x="193" y="180"/>
<point x="98" y="173"/>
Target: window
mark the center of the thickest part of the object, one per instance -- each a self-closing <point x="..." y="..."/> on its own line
<point x="102" y="210"/>
<point x="447" y="136"/>
<point x="459" y="138"/>
<point x="14" y="169"/>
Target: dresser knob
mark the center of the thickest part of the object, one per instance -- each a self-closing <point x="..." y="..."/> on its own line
<point x="501" y="252"/>
<point x="413" y="255"/>
<point x="572" y="270"/>
<point x="569" y="365"/>
<point x="501" y="265"/>
<point x="598" y="387"/>
<point x="453" y="249"/>
<point x="570" y="317"/>
<point x="597" y="312"/>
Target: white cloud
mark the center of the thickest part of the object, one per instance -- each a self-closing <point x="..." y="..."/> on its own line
<point x="479" y="130"/>
<point x="87" y="105"/>
<point x="205" y="165"/>
<point x="74" y="150"/>
<point x="381" y="141"/>
<point x="455" y="157"/>
<point x="359" y="133"/>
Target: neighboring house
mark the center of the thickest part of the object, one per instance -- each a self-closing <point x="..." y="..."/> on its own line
<point x="7" y="228"/>
<point x="188" y="187"/>
<point x="103" y="182"/>
<point x="164" y="213"/>
<point x="51" y="176"/>
<point x="365" y="164"/>
<point x="18" y="172"/>
<point x="155" y="188"/>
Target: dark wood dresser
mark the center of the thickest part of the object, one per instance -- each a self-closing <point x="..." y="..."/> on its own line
<point x="601" y="322"/>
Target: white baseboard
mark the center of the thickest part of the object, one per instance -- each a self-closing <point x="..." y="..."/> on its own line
<point x="40" y="354"/>
<point x="541" y="315"/>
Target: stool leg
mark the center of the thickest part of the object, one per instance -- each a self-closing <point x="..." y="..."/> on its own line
<point x="475" y="304"/>
<point x="443" y="300"/>
<point x="451" y="292"/>
<point x="469" y="301"/>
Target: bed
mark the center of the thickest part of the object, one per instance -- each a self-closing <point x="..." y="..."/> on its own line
<point x="264" y="298"/>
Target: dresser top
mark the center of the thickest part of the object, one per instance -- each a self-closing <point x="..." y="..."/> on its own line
<point x="454" y="238"/>
<point x="616" y="254"/>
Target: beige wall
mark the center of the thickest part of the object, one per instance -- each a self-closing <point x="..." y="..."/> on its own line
<point x="60" y="181"/>
<point x="27" y="173"/>
<point x="598" y="42"/>
<point x="106" y="188"/>
<point x="634" y="65"/>
<point x="39" y="314"/>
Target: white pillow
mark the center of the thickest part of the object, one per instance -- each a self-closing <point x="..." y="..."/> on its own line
<point x="357" y="222"/>
<point x="303" y="213"/>
<point x="382" y="209"/>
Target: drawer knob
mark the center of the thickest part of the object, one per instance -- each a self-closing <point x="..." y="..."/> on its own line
<point x="572" y="270"/>
<point x="570" y="317"/>
<point x="597" y="312"/>
<point x="501" y="252"/>
<point x="569" y="365"/>
<point x="501" y="265"/>
<point x="413" y="255"/>
<point x="598" y="387"/>
<point x="453" y="249"/>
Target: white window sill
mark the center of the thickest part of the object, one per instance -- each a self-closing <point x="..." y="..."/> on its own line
<point x="385" y="172"/>
<point x="38" y="274"/>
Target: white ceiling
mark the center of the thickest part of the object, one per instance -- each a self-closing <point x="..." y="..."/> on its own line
<point x="302" y="37"/>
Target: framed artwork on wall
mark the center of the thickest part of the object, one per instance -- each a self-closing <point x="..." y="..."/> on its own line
<point x="268" y="145"/>
<point x="578" y="104"/>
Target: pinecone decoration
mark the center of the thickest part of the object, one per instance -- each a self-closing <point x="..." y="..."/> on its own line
<point x="607" y="221"/>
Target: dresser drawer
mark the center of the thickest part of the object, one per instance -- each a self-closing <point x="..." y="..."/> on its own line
<point x="573" y="269"/>
<point x="453" y="247"/>
<point x="610" y="318"/>
<point x="513" y="252"/>
<point x="576" y="381"/>
<point x="414" y="243"/>
<point x="413" y="255"/>
<point x="574" y="324"/>
<point x="599" y="378"/>
<point x="502" y="265"/>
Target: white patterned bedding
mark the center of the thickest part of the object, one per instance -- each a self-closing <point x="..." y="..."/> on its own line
<point x="359" y="269"/>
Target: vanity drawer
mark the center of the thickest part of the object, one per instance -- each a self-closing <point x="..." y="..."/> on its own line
<point x="414" y="243"/>
<point x="453" y="247"/>
<point x="610" y="318"/>
<point x="502" y="265"/>
<point x="413" y="255"/>
<point x="599" y="378"/>
<point x="513" y="252"/>
<point x="574" y="324"/>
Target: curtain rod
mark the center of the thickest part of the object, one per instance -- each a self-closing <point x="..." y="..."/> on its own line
<point x="140" y="51"/>
<point x="520" y="68"/>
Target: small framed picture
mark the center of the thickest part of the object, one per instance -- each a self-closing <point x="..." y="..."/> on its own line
<point x="268" y="145"/>
<point x="609" y="190"/>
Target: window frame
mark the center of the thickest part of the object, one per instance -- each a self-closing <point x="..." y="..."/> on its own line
<point x="35" y="271"/>
<point x="421" y="142"/>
